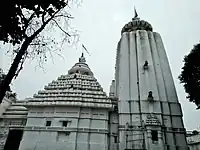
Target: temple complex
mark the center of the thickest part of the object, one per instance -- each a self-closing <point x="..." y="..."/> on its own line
<point x="141" y="112"/>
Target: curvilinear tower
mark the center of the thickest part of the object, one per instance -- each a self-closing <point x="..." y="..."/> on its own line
<point x="150" y="115"/>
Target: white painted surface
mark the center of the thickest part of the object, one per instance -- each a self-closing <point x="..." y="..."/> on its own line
<point x="134" y="49"/>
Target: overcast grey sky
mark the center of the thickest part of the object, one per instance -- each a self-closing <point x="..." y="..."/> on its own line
<point x="100" y="23"/>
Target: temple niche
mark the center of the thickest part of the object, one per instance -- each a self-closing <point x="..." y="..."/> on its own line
<point x="142" y="111"/>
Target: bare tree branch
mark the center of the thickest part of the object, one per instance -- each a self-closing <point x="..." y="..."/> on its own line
<point x="62" y="15"/>
<point x="61" y="28"/>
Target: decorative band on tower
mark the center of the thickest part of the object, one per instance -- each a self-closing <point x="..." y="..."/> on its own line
<point x="136" y="24"/>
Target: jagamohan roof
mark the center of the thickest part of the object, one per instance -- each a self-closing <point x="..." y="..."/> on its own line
<point x="78" y="88"/>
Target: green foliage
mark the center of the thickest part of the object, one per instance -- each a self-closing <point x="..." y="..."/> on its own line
<point x="16" y="16"/>
<point x="190" y="75"/>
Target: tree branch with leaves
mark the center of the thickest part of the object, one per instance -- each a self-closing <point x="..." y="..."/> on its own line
<point x="22" y="27"/>
<point x="190" y="75"/>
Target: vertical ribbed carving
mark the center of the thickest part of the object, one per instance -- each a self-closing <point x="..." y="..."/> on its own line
<point x="133" y="67"/>
<point x="147" y="76"/>
<point x="134" y="82"/>
<point x="124" y="68"/>
<point x="167" y="75"/>
<point x="157" y="68"/>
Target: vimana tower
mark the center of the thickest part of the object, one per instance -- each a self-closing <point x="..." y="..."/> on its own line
<point x="150" y="115"/>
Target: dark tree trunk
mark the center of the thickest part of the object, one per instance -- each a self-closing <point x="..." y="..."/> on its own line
<point x="13" y="69"/>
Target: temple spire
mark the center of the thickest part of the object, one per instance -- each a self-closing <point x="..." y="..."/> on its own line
<point x="136" y="14"/>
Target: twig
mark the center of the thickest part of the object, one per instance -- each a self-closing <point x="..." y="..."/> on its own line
<point x="61" y="28"/>
<point x="70" y="17"/>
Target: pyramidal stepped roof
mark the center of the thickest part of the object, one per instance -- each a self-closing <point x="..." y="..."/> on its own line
<point x="78" y="88"/>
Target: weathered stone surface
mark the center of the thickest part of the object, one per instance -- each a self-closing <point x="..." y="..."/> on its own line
<point x="193" y="140"/>
<point x="3" y="137"/>
<point x="138" y="45"/>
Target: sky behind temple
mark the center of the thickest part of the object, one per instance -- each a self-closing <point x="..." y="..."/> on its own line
<point x="100" y="23"/>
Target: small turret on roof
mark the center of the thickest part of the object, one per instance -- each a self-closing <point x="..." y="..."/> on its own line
<point x="82" y="59"/>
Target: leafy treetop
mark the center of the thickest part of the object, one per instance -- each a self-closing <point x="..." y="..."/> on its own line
<point x="14" y="21"/>
<point x="190" y="75"/>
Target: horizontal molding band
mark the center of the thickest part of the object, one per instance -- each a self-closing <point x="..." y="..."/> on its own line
<point x="58" y="129"/>
<point x="168" y="114"/>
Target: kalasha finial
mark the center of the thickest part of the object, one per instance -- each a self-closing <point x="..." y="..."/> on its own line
<point x="82" y="58"/>
<point x="136" y="14"/>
